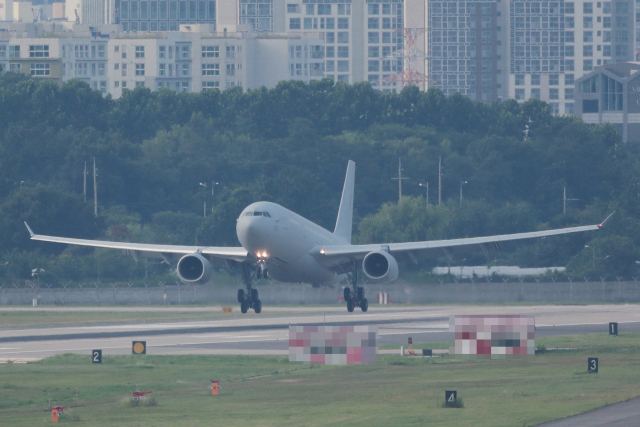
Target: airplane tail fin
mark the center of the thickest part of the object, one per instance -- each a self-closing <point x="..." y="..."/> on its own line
<point x="345" y="214"/>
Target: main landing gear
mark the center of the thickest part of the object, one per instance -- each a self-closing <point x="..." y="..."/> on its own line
<point x="249" y="299"/>
<point x="356" y="297"/>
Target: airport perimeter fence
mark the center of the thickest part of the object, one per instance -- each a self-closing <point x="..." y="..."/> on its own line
<point x="476" y="291"/>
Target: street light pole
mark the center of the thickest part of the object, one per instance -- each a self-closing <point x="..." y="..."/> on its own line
<point x="427" y="186"/>
<point x="593" y="256"/>
<point x="204" y="209"/>
<point x="461" y="184"/>
<point x="213" y="196"/>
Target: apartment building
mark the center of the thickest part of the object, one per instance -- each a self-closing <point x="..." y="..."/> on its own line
<point x="465" y="47"/>
<point x="190" y="60"/>
<point x="184" y="62"/>
<point x="363" y="39"/>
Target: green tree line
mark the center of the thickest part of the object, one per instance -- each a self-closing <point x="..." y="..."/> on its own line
<point x="290" y="145"/>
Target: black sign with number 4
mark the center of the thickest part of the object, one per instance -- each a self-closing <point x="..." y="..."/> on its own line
<point x="613" y="328"/>
<point x="96" y="356"/>
<point x="593" y="365"/>
<point x="450" y="395"/>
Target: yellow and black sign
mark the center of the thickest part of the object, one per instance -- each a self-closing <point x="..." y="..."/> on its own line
<point x="139" y="347"/>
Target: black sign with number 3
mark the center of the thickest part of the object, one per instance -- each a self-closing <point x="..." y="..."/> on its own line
<point x="593" y="365"/>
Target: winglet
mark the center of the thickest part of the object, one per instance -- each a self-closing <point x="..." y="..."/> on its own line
<point x="601" y="225"/>
<point x="345" y="213"/>
<point x="29" y="228"/>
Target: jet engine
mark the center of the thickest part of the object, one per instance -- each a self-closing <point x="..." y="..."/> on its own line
<point x="380" y="266"/>
<point x="194" y="269"/>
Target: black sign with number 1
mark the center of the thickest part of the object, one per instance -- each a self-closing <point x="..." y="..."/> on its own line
<point x="613" y="328"/>
<point x="593" y="365"/>
<point x="96" y="356"/>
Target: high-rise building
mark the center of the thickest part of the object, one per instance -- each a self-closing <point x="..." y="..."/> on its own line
<point x="491" y="50"/>
<point x="465" y="46"/>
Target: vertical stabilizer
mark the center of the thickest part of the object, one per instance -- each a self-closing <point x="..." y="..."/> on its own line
<point x="345" y="214"/>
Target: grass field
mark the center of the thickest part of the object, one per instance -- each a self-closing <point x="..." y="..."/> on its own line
<point x="269" y="391"/>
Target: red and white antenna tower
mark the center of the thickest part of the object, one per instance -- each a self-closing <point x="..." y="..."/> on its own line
<point x="410" y="54"/>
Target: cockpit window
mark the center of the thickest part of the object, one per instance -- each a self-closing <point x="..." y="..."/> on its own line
<point x="257" y="213"/>
<point x="248" y="214"/>
<point x="267" y="214"/>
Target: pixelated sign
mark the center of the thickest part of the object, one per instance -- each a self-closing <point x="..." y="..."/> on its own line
<point x="333" y="345"/>
<point x="492" y="336"/>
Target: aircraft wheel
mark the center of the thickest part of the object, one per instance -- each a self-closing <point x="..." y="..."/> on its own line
<point x="350" y="306"/>
<point x="257" y="306"/>
<point x="364" y="305"/>
<point x="240" y="296"/>
<point x="258" y="274"/>
<point x="347" y="294"/>
<point x="265" y="273"/>
<point x="244" y="307"/>
<point x="254" y="295"/>
<point x="360" y="293"/>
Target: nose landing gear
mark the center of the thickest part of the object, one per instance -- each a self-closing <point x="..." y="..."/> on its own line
<point x="262" y="271"/>
<point x="356" y="297"/>
<point x="249" y="299"/>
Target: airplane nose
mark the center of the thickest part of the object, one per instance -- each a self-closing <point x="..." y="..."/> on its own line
<point x="249" y="233"/>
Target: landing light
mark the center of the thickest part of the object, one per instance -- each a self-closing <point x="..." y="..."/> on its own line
<point x="322" y="251"/>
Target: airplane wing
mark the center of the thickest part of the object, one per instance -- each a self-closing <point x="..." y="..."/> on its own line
<point x="144" y="250"/>
<point x="339" y="254"/>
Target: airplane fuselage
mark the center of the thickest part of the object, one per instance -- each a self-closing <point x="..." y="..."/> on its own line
<point x="291" y="243"/>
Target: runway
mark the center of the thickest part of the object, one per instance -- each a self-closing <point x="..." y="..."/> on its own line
<point x="267" y="333"/>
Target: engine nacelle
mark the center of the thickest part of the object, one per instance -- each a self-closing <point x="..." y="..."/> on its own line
<point x="380" y="266"/>
<point x="194" y="269"/>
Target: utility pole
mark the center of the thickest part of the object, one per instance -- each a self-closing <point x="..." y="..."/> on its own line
<point x="439" y="180"/>
<point x="85" y="181"/>
<point x="95" y="188"/>
<point x="399" y="178"/>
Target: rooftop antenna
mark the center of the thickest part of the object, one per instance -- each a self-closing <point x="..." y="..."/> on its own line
<point x="400" y="178"/>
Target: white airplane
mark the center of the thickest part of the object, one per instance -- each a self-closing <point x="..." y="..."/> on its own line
<point x="279" y="243"/>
